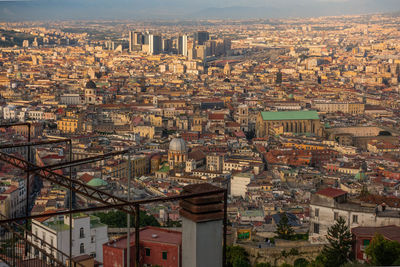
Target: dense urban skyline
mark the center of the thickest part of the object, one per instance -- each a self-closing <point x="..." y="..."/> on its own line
<point x="288" y="128"/>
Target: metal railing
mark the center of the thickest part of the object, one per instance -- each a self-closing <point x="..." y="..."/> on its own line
<point x="25" y="251"/>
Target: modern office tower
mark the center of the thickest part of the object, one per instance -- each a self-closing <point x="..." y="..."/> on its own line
<point x="146" y="36"/>
<point x="135" y="40"/>
<point x="210" y="47"/>
<point x="166" y="45"/>
<point x="131" y="41"/>
<point x="183" y="45"/>
<point x="201" y="52"/>
<point x="201" y="36"/>
<point x="155" y="44"/>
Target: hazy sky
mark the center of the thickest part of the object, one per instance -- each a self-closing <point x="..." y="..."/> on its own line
<point x="183" y="9"/>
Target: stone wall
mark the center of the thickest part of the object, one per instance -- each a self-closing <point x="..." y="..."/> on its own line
<point x="273" y="255"/>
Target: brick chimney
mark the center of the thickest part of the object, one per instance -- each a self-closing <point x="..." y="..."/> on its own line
<point x="202" y="227"/>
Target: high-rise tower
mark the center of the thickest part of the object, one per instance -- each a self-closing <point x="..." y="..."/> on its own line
<point x="183" y="45"/>
<point x="201" y="36"/>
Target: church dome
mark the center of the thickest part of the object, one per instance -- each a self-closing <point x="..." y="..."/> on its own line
<point x="177" y="144"/>
<point x="90" y="85"/>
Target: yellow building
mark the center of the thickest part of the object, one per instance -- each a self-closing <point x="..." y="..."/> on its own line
<point x="302" y="146"/>
<point x="345" y="107"/>
<point x="139" y="166"/>
<point x="68" y="125"/>
<point x="156" y="120"/>
<point x="144" y="131"/>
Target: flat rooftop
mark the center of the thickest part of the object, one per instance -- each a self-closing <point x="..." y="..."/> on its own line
<point x="152" y="234"/>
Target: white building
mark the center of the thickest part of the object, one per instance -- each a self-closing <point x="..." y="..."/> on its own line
<point x="88" y="235"/>
<point x="72" y="99"/>
<point x="36" y="115"/>
<point x="327" y="205"/>
<point x="239" y="182"/>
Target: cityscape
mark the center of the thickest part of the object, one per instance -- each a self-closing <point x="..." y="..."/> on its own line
<point x="205" y="142"/>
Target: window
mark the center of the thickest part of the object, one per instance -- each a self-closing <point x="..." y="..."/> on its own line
<point x="147" y="252"/>
<point x="316" y="212"/>
<point x="335" y="216"/>
<point x="93" y="239"/>
<point x="365" y="244"/>
<point x="164" y="255"/>
<point x="316" y="228"/>
<point x="355" y="218"/>
<point x="81" y="233"/>
<point x="82" y="248"/>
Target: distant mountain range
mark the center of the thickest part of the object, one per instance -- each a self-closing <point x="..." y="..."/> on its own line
<point x="187" y="9"/>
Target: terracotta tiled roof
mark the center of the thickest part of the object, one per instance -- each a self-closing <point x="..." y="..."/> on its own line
<point x="216" y="116"/>
<point x="391" y="232"/>
<point x="331" y="192"/>
<point x="86" y="177"/>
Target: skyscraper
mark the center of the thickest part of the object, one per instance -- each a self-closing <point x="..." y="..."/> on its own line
<point x="135" y="40"/>
<point x="131" y="41"/>
<point x="155" y="44"/>
<point x="138" y="38"/>
<point x="201" y="36"/>
<point x="183" y="45"/>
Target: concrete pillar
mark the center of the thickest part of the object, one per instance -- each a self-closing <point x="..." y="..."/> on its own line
<point x="202" y="227"/>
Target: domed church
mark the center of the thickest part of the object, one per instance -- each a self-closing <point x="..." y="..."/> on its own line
<point x="177" y="153"/>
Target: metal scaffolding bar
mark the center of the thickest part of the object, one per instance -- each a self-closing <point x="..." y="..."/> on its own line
<point x="225" y="226"/>
<point x="37" y="143"/>
<point x="77" y="162"/>
<point x="78" y="186"/>
<point x="117" y="206"/>
<point x="70" y="205"/>
<point x="14" y="227"/>
<point x="27" y="180"/>
<point x="128" y="218"/>
<point x="137" y="235"/>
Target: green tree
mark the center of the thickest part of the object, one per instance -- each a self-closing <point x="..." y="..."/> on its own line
<point x="338" y="250"/>
<point x="237" y="256"/>
<point x="383" y="252"/>
<point x="319" y="261"/>
<point x="263" y="264"/>
<point x="301" y="262"/>
<point x="283" y="229"/>
<point x="118" y="219"/>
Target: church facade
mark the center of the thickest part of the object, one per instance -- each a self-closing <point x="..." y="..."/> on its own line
<point x="270" y="123"/>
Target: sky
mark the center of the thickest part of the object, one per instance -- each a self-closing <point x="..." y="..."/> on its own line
<point x="22" y="10"/>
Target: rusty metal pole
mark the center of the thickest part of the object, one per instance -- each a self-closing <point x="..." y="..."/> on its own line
<point x="27" y="188"/>
<point x="137" y="230"/>
<point x="225" y="226"/>
<point x="70" y="205"/>
<point x="128" y="217"/>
